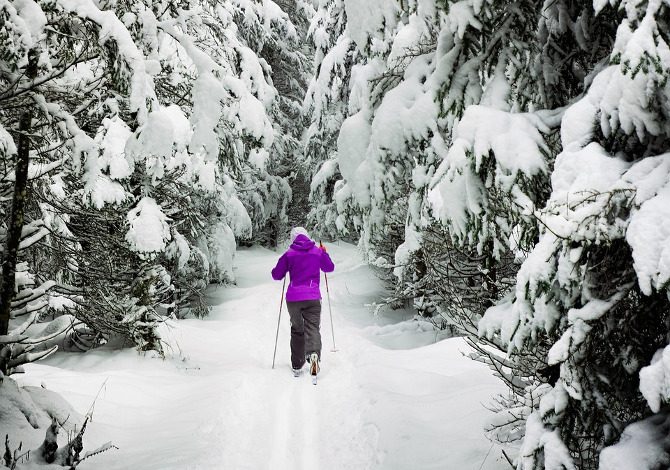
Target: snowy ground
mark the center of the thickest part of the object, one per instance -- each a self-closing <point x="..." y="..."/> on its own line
<point x="390" y="398"/>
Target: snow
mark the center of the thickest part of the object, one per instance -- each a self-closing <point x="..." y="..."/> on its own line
<point x="208" y="94"/>
<point x="7" y="146"/>
<point x="578" y="124"/>
<point x="327" y="171"/>
<point x="462" y="15"/>
<point x="220" y="251"/>
<point x="409" y="35"/>
<point x="649" y="228"/>
<point x="352" y="145"/>
<point x="515" y="139"/>
<point x="578" y="330"/>
<point x="648" y="235"/>
<point x="585" y="181"/>
<point x="391" y="397"/>
<point x="149" y="230"/>
<point x="458" y="195"/>
<point x="655" y="380"/>
<point x="321" y="85"/>
<point x="259" y="158"/>
<point x="643" y="446"/>
<point x="33" y="18"/>
<point x="179" y="249"/>
<point x="25" y="408"/>
<point x="497" y="90"/>
<point x="207" y="175"/>
<point x="626" y="99"/>
<point x="237" y="216"/>
<point x="23" y="277"/>
<point x="251" y="73"/>
<point x="366" y="19"/>
<point x="407" y="112"/>
<point x="402" y="255"/>
<point x="515" y="319"/>
<point x="557" y="456"/>
<point x="113" y="148"/>
<point x="254" y="120"/>
<point x="59" y="303"/>
<point x="101" y="189"/>
<point x="359" y="83"/>
<point x="111" y="28"/>
<point x="165" y="129"/>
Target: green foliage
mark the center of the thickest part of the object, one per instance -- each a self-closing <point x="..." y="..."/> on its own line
<point x="460" y="228"/>
<point x="113" y="86"/>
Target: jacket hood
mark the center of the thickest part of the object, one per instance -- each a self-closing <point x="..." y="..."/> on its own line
<point x="295" y="231"/>
<point x="302" y="243"/>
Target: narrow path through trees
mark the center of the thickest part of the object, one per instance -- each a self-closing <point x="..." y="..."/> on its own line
<point x="390" y="398"/>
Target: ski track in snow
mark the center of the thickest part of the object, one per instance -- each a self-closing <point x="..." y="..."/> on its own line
<point x="388" y="399"/>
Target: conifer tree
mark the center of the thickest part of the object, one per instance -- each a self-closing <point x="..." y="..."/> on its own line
<point x="587" y="303"/>
<point x="155" y="128"/>
<point x="325" y="105"/>
<point x="450" y="159"/>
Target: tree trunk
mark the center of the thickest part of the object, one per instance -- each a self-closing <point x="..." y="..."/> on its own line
<point x="16" y="219"/>
<point x="15" y="227"/>
<point x="491" y="277"/>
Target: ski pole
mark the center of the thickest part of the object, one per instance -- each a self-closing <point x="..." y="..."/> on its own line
<point x="281" y="303"/>
<point x="330" y="310"/>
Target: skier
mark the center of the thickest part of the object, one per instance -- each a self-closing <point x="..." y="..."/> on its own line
<point x="304" y="261"/>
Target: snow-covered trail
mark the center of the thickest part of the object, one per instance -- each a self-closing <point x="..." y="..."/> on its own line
<point x="389" y="398"/>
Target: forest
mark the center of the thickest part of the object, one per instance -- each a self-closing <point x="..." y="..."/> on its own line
<point x="501" y="166"/>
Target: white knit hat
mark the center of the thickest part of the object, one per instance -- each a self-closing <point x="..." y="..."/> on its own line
<point x="295" y="231"/>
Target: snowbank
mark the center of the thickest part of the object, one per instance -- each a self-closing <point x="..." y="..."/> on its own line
<point x="391" y="397"/>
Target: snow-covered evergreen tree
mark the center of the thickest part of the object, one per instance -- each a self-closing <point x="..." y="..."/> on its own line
<point x="157" y="136"/>
<point x="456" y="113"/>
<point x="496" y="159"/>
<point x="326" y="106"/>
<point x="275" y="33"/>
<point x="590" y="300"/>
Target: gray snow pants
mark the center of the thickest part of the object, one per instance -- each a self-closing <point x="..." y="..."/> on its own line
<point x="305" y="335"/>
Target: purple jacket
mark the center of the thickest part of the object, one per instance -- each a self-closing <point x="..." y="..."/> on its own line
<point x="304" y="261"/>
